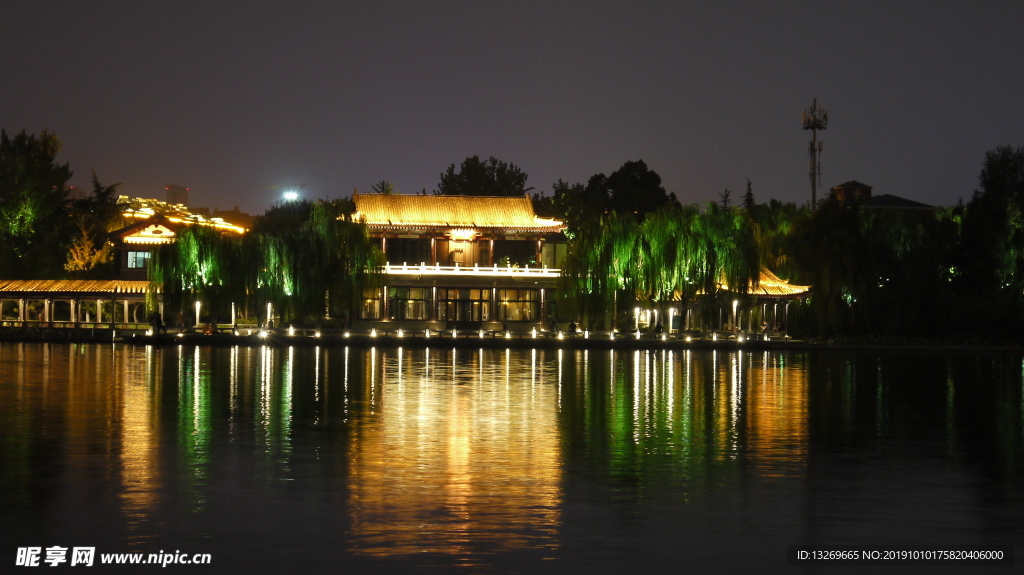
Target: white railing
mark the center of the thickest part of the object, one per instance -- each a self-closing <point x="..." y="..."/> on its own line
<point x="476" y="270"/>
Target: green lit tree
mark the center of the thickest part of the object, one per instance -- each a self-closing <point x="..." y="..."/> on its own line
<point x="674" y="253"/>
<point x="323" y="265"/>
<point x="35" y="230"/>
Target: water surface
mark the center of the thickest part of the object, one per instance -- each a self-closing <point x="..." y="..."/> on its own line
<point x="351" y="459"/>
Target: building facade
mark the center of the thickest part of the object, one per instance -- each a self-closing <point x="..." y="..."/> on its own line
<point x="461" y="262"/>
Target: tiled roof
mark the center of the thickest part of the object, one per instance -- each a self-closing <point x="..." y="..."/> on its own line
<point x="891" y="201"/>
<point x="771" y="286"/>
<point x="451" y="212"/>
<point x="852" y="184"/>
<point x="74" y="286"/>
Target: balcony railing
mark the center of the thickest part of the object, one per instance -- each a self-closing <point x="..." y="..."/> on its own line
<point x="475" y="270"/>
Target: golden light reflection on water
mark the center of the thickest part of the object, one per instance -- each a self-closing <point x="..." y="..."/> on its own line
<point x="777" y="406"/>
<point x="140" y="476"/>
<point x="93" y="408"/>
<point x="444" y="451"/>
<point x="453" y="455"/>
<point x="675" y="413"/>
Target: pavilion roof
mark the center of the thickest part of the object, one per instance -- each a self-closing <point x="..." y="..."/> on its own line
<point x="410" y="211"/>
<point x="770" y="285"/>
<point x="74" y="286"/>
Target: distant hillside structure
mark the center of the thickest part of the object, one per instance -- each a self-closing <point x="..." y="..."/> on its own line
<point x="177" y="195"/>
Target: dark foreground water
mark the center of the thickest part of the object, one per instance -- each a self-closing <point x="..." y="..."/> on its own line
<point x="388" y="460"/>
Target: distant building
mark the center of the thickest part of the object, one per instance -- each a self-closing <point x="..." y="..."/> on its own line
<point x="234" y="216"/>
<point x="896" y="202"/>
<point x="177" y="195"/>
<point x="76" y="193"/>
<point x="854" y="191"/>
<point x="851" y="191"/>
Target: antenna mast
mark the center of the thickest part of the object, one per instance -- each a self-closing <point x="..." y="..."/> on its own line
<point x="814" y="119"/>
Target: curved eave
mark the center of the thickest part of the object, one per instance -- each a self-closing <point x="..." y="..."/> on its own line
<point x="392" y="227"/>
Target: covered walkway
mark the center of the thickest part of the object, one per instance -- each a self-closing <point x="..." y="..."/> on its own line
<point x="102" y="304"/>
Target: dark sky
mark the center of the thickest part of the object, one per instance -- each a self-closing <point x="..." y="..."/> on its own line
<point x="238" y="100"/>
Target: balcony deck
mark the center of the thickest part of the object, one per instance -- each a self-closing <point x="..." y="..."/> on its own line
<point x="476" y="270"/>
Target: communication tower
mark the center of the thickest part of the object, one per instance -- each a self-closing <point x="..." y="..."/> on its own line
<point x="814" y="119"/>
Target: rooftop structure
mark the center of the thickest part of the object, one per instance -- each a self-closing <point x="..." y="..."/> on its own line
<point x="461" y="261"/>
<point x="388" y="211"/>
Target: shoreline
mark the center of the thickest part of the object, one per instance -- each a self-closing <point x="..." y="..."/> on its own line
<point x="490" y="340"/>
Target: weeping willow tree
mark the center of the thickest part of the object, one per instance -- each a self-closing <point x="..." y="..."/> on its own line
<point x="323" y="265"/>
<point x="596" y="267"/>
<point x="202" y="265"/>
<point x="674" y="253"/>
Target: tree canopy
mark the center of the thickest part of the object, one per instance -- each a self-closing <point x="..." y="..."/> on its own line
<point x="33" y="213"/>
<point x="476" y="177"/>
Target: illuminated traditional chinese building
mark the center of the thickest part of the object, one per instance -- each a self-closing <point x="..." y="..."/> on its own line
<point x="461" y="261"/>
<point x="118" y="303"/>
<point x="156" y="223"/>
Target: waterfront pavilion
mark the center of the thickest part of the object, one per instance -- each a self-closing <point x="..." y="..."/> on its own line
<point x="461" y="262"/>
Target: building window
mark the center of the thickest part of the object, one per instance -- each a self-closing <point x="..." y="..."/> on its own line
<point x="408" y="251"/>
<point x="371" y="304"/>
<point x="463" y="304"/>
<point x="409" y="303"/>
<point x="138" y="260"/>
<point x="518" y="304"/>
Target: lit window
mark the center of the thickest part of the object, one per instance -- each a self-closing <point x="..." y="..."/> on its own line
<point x="138" y="260"/>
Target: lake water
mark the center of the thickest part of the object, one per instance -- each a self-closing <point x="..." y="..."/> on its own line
<point x="409" y="460"/>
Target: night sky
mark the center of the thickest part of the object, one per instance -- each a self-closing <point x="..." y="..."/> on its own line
<point x="240" y="100"/>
